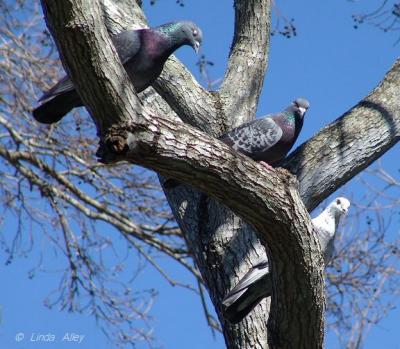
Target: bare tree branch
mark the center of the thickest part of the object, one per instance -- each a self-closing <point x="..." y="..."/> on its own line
<point x="350" y="144"/>
<point x="248" y="59"/>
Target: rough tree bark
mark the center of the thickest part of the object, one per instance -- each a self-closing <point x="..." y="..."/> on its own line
<point x="222" y="245"/>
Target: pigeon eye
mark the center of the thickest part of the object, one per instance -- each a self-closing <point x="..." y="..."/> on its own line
<point x="195" y="32"/>
<point x="338" y="201"/>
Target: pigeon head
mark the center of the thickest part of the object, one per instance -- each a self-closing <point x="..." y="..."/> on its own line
<point x="193" y="33"/>
<point x="183" y="33"/>
<point x="300" y="106"/>
<point x="340" y="206"/>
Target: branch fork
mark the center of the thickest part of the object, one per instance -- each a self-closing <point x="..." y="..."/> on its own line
<point x="270" y="202"/>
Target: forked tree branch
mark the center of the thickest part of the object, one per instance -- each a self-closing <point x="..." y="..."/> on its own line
<point x="346" y="147"/>
<point x="129" y="132"/>
<point x="350" y="140"/>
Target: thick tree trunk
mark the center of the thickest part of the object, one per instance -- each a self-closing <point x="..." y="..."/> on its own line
<point x="223" y="246"/>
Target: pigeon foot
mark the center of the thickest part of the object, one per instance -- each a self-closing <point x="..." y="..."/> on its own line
<point x="267" y="166"/>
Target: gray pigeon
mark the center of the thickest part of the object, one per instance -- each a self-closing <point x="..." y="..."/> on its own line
<point x="270" y="138"/>
<point x="143" y="53"/>
<point x="267" y="139"/>
<point x="256" y="283"/>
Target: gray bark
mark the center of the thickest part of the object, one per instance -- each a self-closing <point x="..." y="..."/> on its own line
<point x="222" y="245"/>
<point x="351" y="143"/>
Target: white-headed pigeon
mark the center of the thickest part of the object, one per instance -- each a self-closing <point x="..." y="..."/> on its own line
<point x="256" y="283"/>
<point x="143" y="53"/>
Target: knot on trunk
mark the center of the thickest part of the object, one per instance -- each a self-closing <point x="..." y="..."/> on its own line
<point x="117" y="144"/>
<point x="112" y="144"/>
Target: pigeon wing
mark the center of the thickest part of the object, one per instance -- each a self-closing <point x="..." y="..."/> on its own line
<point x="64" y="85"/>
<point x="254" y="137"/>
<point x="252" y="276"/>
<point x="127" y="44"/>
<point x="326" y="240"/>
<point x="329" y="252"/>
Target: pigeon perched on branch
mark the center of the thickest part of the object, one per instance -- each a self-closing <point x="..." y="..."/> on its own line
<point x="256" y="283"/>
<point x="267" y="139"/>
<point x="143" y="53"/>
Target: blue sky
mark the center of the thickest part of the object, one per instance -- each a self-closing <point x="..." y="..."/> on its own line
<point x="329" y="62"/>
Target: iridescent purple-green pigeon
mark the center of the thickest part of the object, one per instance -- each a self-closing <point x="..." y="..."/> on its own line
<point x="143" y="53"/>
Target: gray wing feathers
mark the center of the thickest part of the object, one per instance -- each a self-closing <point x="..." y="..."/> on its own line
<point x="64" y="85"/>
<point x="327" y="243"/>
<point x="127" y="45"/>
<point x="255" y="137"/>
<point x="251" y="277"/>
<point x="329" y="251"/>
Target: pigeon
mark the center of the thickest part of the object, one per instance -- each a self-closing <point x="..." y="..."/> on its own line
<point x="267" y="139"/>
<point x="256" y="283"/>
<point x="326" y="225"/>
<point x="143" y="53"/>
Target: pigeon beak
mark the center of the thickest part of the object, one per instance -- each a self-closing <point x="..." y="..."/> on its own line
<point x="302" y="110"/>
<point x="196" y="46"/>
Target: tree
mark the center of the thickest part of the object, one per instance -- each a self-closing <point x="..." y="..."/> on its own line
<point x="282" y="208"/>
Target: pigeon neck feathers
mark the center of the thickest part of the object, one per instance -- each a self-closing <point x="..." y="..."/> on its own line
<point x="173" y="35"/>
<point x="291" y="122"/>
<point x="293" y="117"/>
<point x="294" y="114"/>
<point x="327" y="221"/>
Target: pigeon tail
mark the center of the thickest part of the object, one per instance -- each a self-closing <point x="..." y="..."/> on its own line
<point x="55" y="108"/>
<point x="237" y="311"/>
<point x="237" y="308"/>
